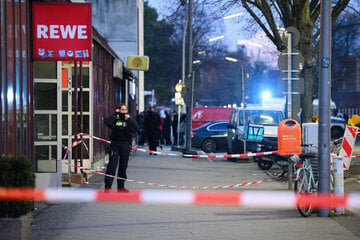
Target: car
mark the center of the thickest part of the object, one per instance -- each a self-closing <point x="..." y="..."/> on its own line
<point x="268" y="118"/>
<point x="210" y="136"/>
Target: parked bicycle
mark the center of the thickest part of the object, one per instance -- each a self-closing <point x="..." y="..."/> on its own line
<point x="306" y="181"/>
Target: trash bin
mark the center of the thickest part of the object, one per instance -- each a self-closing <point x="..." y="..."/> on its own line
<point x="289" y="137"/>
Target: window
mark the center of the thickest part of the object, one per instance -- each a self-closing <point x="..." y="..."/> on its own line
<point x="45" y="69"/>
<point x="45" y="96"/>
<point x="46" y="158"/>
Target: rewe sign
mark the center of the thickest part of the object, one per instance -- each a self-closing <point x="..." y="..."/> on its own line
<point x="61" y="31"/>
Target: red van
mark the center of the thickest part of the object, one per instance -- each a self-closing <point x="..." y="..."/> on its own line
<point x="203" y="115"/>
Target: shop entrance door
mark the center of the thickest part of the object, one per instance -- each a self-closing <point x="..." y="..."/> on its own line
<point x="75" y="114"/>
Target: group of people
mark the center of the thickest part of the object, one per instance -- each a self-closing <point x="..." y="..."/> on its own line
<point x="160" y="128"/>
<point x="154" y="127"/>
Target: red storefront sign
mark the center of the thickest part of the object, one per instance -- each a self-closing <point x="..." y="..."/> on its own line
<point x="61" y="31"/>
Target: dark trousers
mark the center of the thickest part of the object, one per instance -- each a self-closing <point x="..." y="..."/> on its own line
<point x="153" y="141"/>
<point x="119" y="153"/>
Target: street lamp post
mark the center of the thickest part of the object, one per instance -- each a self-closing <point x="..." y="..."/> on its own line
<point x="189" y="106"/>
<point x="230" y="59"/>
<point x="242" y="86"/>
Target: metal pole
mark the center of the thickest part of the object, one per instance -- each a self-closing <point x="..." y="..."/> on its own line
<point x="188" y="105"/>
<point x="69" y="166"/>
<point x="75" y="96"/>
<point x="324" y="102"/>
<point x="183" y="52"/>
<point x="178" y="128"/>
<point x="81" y="117"/>
<point x="242" y="86"/>
<point x="289" y="75"/>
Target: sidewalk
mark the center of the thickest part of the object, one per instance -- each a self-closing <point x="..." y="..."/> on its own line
<point x="133" y="221"/>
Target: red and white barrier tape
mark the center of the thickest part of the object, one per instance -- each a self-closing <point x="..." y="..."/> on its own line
<point x="172" y="154"/>
<point x="156" y="184"/>
<point x="172" y="186"/>
<point x="190" y="155"/>
<point x="208" y="156"/>
<point x="197" y="156"/>
<point x="246" y="199"/>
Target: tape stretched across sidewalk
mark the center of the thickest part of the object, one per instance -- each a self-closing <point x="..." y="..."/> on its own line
<point x="189" y="155"/>
<point x="246" y="199"/>
<point x="245" y="155"/>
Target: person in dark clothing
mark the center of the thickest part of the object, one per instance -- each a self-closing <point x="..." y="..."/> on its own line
<point x="167" y="128"/>
<point x="123" y="128"/>
<point x="141" y="135"/>
<point x="174" y="125"/>
<point x="152" y="124"/>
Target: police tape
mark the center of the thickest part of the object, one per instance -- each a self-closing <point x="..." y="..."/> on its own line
<point x="76" y="143"/>
<point x="208" y="156"/>
<point x="245" y="155"/>
<point x="246" y="199"/>
<point x="188" y="155"/>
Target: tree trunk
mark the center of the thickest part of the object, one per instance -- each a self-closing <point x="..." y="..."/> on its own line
<point x="306" y="39"/>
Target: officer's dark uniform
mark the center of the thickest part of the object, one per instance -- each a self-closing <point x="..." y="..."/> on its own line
<point x="121" y="136"/>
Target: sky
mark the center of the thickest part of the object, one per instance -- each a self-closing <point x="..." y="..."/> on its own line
<point x="232" y="28"/>
<point x="234" y="33"/>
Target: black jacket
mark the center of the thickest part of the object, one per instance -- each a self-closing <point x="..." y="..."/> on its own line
<point x="152" y="123"/>
<point x="122" y="129"/>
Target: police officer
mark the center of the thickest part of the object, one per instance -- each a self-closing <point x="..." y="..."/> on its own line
<point x="123" y="128"/>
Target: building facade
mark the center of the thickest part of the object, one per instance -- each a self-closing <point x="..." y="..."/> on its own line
<point x="47" y="105"/>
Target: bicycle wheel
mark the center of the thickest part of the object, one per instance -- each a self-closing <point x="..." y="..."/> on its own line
<point x="303" y="186"/>
<point x="264" y="164"/>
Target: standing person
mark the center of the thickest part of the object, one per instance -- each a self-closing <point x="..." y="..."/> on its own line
<point x="162" y="118"/>
<point x="152" y="123"/>
<point x="122" y="127"/>
<point x="182" y="129"/>
<point x="140" y="122"/>
<point x="167" y="128"/>
<point x="174" y="125"/>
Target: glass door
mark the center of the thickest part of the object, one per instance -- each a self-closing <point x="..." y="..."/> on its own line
<point x="46" y="117"/>
<point x="75" y="113"/>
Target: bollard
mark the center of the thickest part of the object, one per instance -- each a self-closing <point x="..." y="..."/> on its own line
<point x="339" y="181"/>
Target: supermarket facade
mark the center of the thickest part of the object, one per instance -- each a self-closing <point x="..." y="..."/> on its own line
<point x="50" y="95"/>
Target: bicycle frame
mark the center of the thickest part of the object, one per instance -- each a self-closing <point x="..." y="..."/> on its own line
<point x="305" y="166"/>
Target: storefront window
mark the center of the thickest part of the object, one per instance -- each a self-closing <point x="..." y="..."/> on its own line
<point x="45" y="127"/>
<point x="45" y="96"/>
<point x="46" y="158"/>
<point x="45" y="69"/>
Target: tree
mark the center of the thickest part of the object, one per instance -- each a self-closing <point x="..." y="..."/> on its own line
<point x="164" y="52"/>
<point x="270" y="15"/>
<point x="304" y="15"/>
<point x="163" y="44"/>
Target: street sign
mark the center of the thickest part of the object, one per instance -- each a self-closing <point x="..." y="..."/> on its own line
<point x="152" y="101"/>
<point x="295" y="35"/>
<point x="297" y="60"/>
<point x="298" y="86"/>
<point x="138" y="63"/>
<point x="179" y="101"/>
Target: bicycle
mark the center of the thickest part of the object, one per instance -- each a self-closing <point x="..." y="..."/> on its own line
<point x="306" y="183"/>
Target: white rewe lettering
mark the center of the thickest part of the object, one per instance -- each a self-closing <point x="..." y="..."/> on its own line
<point x="54" y="31"/>
<point x="68" y="30"/>
<point x="41" y="31"/>
<point x="61" y="31"/>
<point x="82" y="32"/>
